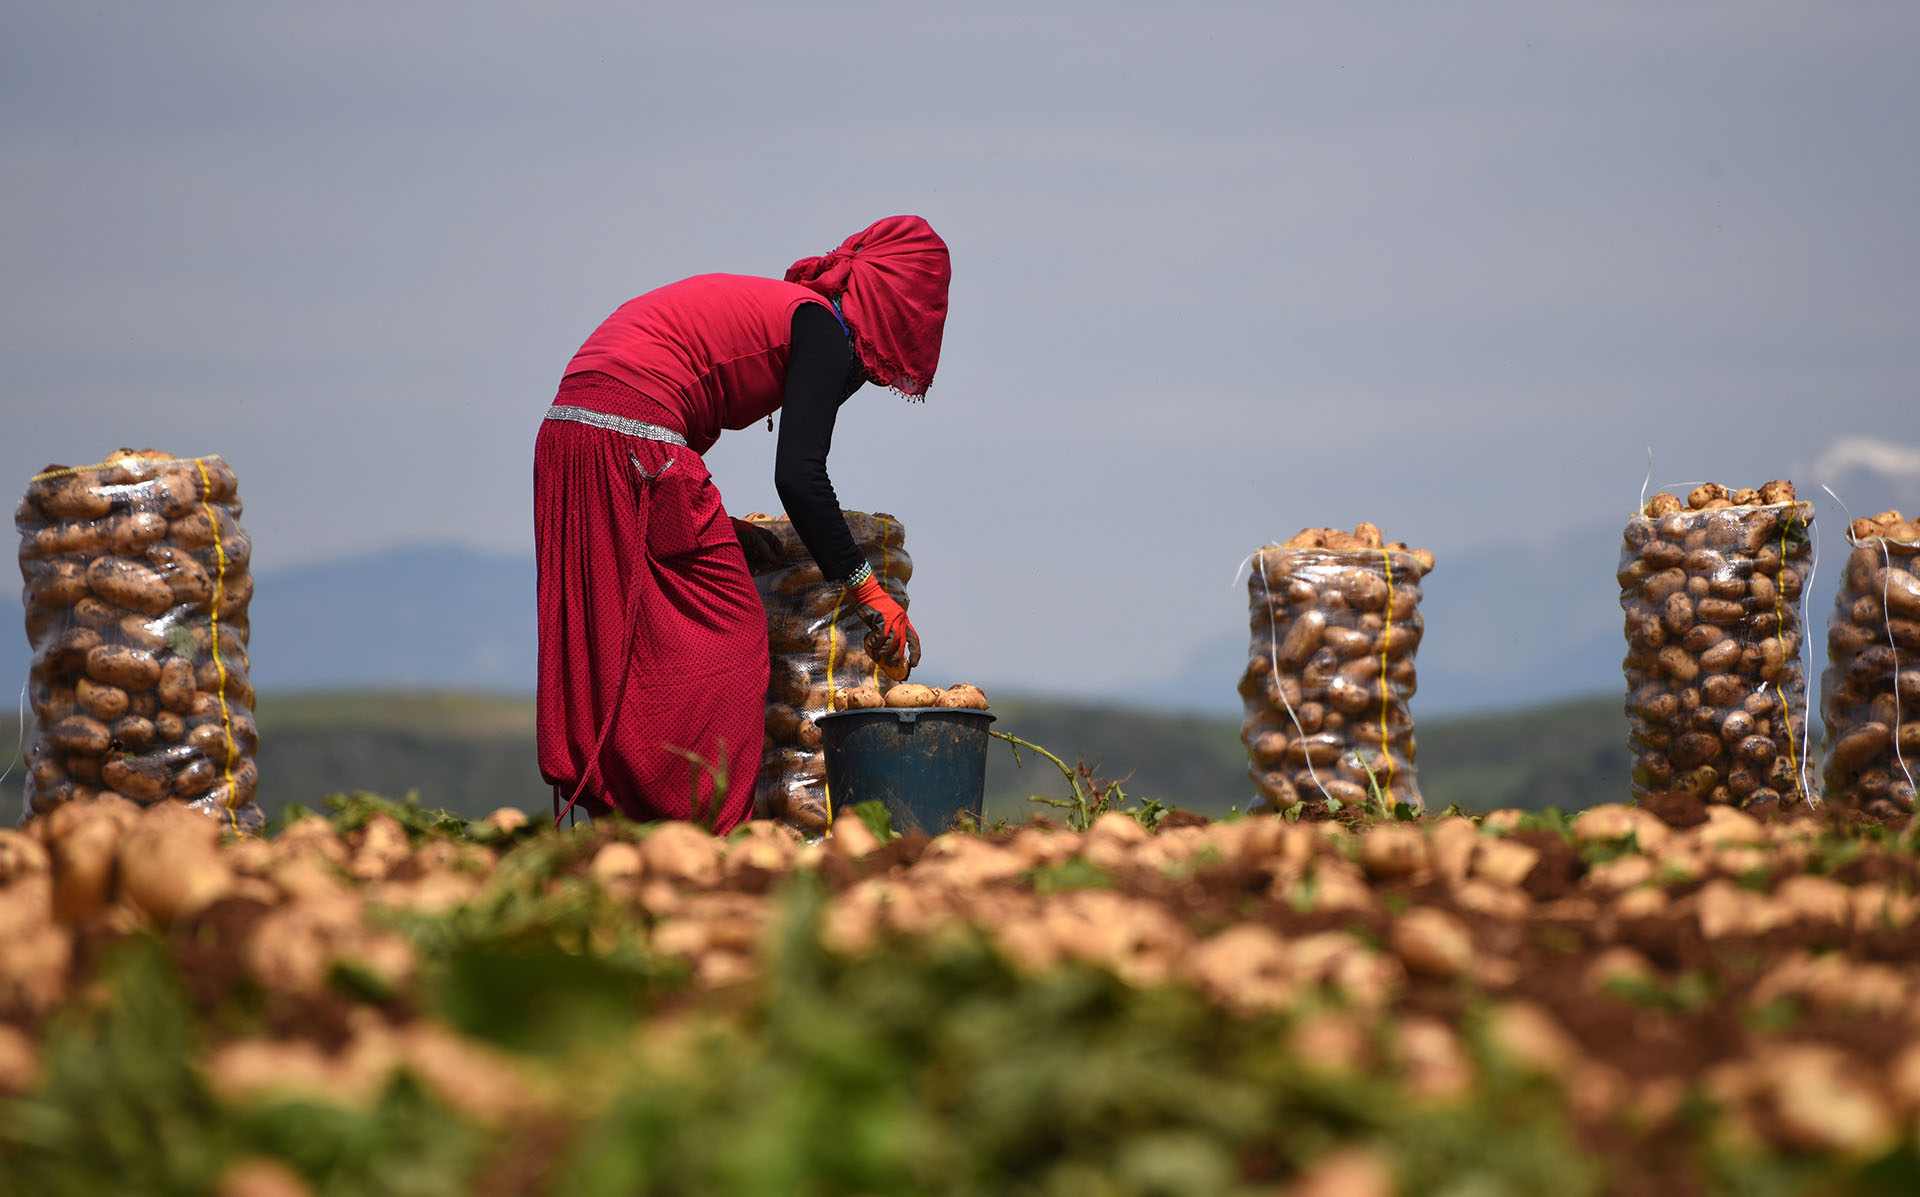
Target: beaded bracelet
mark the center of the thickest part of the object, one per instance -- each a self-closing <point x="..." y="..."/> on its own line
<point x="859" y="575"/>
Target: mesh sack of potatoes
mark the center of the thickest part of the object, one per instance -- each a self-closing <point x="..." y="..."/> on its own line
<point x="1716" y="695"/>
<point x="817" y="645"/>
<point x="1870" y="692"/>
<point x="136" y="594"/>
<point x="1335" y="618"/>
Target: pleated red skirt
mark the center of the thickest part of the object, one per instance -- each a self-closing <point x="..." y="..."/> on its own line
<point x="653" y="640"/>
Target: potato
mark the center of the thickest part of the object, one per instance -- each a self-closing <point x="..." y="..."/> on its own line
<point x="963" y="697"/>
<point x="97" y="613"/>
<point x="131" y="669"/>
<point x="231" y="555"/>
<point x="103" y="701"/>
<point x="125" y="465"/>
<point x="66" y="655"/>
<point x="909" y="694"/>
<point x="782" y="723"/>
<point x="53" y="702"/>
<point x="130" y="584"/>
<point x="131" y="534"/>
<point x="222" y="677"/>
<point x="194" y="779"/>
<point x="203" y="707"/>
<point x="243" y="730"/>
<point x="56" y="583"/>
<point x="202" y="528"/>
<point x="209" y="738"/>
<point x="141" y="631"/>
<point x="219" y="483"/>
<point x="132" y="733"/>
<point x="1901" y="592"/>
<point x="71" y="495"/>
<point x="80" y="735"/>
<point x="173" y="493"/>
<point x="143" y="778"/>
<point x="169" y="864"/>
<point x="83" y="538"/>
<point x="235" y="593"/>
<point x="168" y="726"/>
<point x="1302" y="639"/>
<point x="789" y="681"/>
<point x="796" y="580"/>
<point x="240" y="789"/>
<point x="858" y="698"/>
<point x="186" y="579"/>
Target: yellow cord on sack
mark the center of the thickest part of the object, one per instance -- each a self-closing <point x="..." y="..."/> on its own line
<point x="833" y="650"/>
<point x="213" y="623"/>
<point x="1386" y="640"/>
<point x="886" y="563"/>
<point x="1779" y="631"/>
<point x="69" y="471"/>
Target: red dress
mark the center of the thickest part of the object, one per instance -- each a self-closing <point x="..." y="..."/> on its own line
<point x="653" y="640"/>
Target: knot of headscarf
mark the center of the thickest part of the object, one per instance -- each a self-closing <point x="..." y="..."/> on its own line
<point x="891" y="283"/>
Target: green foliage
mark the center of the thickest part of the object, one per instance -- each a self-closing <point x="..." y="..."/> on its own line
<point x="933" y="1068"/>
<point x="1550" y="818"/>
<point x="930" y="1067"/>
<point x="1688" y="992"/>
<point x="1088" y="797"/>
<point x="121" y="1098"/>
<point x="877" y="817"/>
<point x="1075" y="872"/>
<point x="1598" y="851"/>
<point x="123" y="1110"/>
<point x="542" y="959"/>
<point x="350" y="812"/>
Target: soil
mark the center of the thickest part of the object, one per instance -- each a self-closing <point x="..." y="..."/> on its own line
<point x="1699" y="1010"/>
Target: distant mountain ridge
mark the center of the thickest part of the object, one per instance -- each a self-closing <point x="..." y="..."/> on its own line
<point x="436" y="616"/>
<point x="1507" y="625"/>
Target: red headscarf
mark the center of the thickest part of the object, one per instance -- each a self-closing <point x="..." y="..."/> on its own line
<point x="891" y="282"/>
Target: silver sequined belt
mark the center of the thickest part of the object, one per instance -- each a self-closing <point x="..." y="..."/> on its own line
<point x="599" y="419"/>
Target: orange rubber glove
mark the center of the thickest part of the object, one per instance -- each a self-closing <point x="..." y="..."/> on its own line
<point x="898" y="641"/>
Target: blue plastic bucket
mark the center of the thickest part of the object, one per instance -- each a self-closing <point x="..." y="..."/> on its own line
<point x="926" y="765"/>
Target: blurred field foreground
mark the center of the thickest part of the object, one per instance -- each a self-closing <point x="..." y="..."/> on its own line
<point x="473" y="752"/>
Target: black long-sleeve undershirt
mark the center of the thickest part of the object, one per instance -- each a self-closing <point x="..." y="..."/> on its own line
<point x="822" y="373"/>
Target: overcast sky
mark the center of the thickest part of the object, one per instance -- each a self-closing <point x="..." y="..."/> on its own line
<point x="1220" y="271"/>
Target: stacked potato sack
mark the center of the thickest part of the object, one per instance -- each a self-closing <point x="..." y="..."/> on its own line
<point x="1870" y="693"/>
<point x="136" y="599"/>
<point x="1335" y="619"/>
<point x="818" y="645"/>
<point x="1716" y="697"/>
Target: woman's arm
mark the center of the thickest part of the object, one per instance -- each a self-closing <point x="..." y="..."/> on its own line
<point x="817" y="383"/>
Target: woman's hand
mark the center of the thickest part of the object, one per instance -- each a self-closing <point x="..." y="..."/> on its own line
<point x="898" y="641"/>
